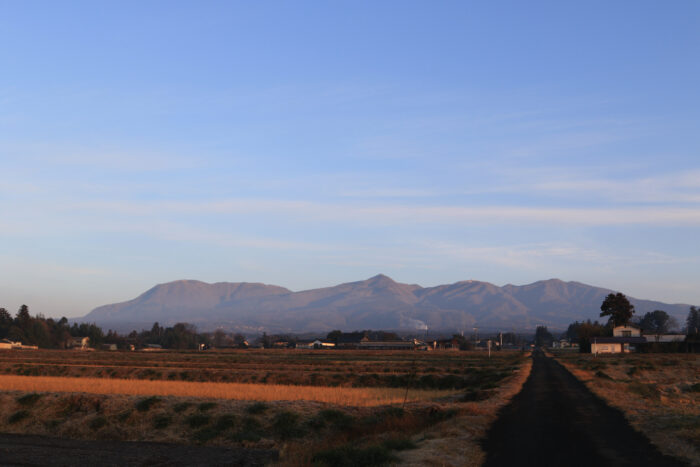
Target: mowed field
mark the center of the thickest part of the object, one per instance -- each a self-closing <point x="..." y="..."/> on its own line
<point x="313" y="407"/>
<point x="658" y="393"/>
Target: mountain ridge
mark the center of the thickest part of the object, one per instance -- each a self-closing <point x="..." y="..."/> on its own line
<point x="377" y="303"/>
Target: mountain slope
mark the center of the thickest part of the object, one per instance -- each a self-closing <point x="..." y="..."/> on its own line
<point x="376" y="303"/>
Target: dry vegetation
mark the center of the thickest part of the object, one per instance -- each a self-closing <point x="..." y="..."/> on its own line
<point x="658" y="393"/>
<point x="342" y="408"/>
<point x="426" y="370"/>
<point x="358" y="397"/>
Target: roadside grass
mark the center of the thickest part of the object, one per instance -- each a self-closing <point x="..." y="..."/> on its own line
<point x="656" y="392"/>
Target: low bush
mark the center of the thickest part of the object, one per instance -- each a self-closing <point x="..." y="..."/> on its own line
<point x="28" y="400"/>
<point x="162" y="421"/>
<point x="205" y="434"/>
<point x="285" y="425"/>
<point x="204" y="406"/>
<point x="182" y="406"/>
<point x="97" y="423"/>
<point x="257" y="408"/>
<point x="145" y="404"/>
<point x="198" y="420"/>
<point x="17" y="416"/>
<point x="225" y="422"/>
<point x="250" y="430"/>
<point x="399" y="444"/>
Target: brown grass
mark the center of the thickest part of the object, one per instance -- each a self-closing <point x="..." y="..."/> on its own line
<point x="654" y="391"/>
<point x="357" y="397"/>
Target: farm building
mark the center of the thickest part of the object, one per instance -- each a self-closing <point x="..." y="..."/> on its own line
<point x="81" y="343"/>
<point x="314" y="344"/>
<point x="627" y="331"/>
<point x="444" y="344"/>
<point x="615" y="344"/>
<point x="7" y="344"/>
<point x="388" y="345"/>
<point x="664" y="337"/>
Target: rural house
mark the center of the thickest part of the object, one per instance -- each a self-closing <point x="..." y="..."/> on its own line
<point x="314" y="344"/>
<point x="624" y="340"/>
<point x="81" y="343"/>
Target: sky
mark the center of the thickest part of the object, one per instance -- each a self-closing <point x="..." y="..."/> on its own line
<point x="310" y="143"/>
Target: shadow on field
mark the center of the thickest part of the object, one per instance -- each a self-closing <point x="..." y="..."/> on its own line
<point x="22" y="450"/>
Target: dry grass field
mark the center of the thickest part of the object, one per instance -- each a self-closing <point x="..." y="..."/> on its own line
<point x="315" y="408"/>
<point x="427" y="370"/>
<point x="357" y="397"/>
<point x="658" y="393"/>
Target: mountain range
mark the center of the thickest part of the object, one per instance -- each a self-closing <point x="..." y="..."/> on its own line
<point x="375" y="303"/>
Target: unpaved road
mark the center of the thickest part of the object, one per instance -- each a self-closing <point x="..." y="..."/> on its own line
<point x="23" y="450"/>
<point x="556" y="421"/>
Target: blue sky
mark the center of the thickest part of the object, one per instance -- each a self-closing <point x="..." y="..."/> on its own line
<point x="306" y="144"/>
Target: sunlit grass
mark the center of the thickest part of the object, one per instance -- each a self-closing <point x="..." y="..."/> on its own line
<point x="358" y="397"/>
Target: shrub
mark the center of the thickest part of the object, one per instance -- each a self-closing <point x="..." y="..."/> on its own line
<point x="257" y="408"/>
<point x="182" y="406"/>
<point x="144" y="405"/>
<point x="205" y="434"/>
<point x="162" y="421"/>
<point x="250" y="430"/>
<point x="335" y="417"/>
<point x="28" y="399"/>
<point x="600" y="374"/>
<point x="18" y="416"/>
<point x="225" y="422"/>
<point x="399" y="444"/>
<point x="204" y="406"/>
<point x="97" y="423"/>
<point x="693" y="388"/>
<point x="286" y="425"/>
<point x="197" y="420"/>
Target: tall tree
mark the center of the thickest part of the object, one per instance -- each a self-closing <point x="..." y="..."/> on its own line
<point x="618" y="308"/>
<point x="692" y="323"/>
<point x="657" y="322"/>
<point x="543" y="337"/>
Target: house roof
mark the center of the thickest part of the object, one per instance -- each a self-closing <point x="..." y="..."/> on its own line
<point x="619" y="340"/>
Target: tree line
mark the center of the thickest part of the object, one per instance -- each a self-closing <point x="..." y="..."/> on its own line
<point x="44" y="332"/>
<point x="48" y="333"/>
<point x="620" y="312"/>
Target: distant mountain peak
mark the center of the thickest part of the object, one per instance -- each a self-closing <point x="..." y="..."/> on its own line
<point x="375" y="303"/>
<point x="381" y="279"/>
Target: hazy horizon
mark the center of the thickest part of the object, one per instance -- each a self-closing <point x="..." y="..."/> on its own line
<point x="308" y="144"/>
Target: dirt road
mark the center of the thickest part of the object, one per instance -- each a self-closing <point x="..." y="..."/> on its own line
<point x="555" y="420"/>
<point x="21" y="450"/>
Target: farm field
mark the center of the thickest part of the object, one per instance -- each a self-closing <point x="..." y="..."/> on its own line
<point x="658" y="393"/>
<point x="426" y="370"/>
<point x="312" y="407"/>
